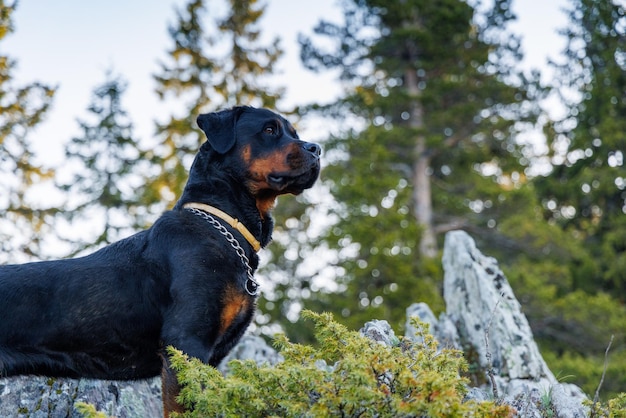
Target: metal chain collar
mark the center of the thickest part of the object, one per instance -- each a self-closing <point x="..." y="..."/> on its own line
<point x="251" y="286"/>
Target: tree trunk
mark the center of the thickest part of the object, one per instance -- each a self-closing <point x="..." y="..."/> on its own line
<point x="423" y="200"/>
<point x="422" y="197"/>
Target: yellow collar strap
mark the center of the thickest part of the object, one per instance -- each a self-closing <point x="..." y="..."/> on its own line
<point x="256" y="245"/>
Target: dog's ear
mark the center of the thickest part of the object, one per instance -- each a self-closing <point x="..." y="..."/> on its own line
<point x="219" y="128"/>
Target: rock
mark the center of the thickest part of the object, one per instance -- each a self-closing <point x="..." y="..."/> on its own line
<point x="493" y="329"/>
<point x="44" y="397"/>
<point x="481" y="303"/>
<point x="422" y="312"/>
<point x="530" y="404"/>
<point x="251" y="347"/>
<point x="566" y="399"/>
<point x="443" y="329"/>
<point x="381" y="332"/>
<point x="478" y="395"/>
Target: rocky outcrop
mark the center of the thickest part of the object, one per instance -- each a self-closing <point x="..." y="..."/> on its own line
<point x="488" y="317"/>
<point x="43" y="397"/>
<point x="483" y="318"/>
<point x="252" y="347"/>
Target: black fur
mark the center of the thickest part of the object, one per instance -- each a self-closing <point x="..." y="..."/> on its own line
<point x="110" y="315"/>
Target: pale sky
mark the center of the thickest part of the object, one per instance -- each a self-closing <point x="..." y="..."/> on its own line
<point x="71" y="43"/>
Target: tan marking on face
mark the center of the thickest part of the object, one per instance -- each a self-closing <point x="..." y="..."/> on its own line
<point x="274" y="162"/>
<point x="259" y="169"/>
<point x="234" y="302"/>
<point x="246" y="154"/>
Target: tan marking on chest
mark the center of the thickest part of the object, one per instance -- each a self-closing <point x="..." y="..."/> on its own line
<point x="234" y="302"/>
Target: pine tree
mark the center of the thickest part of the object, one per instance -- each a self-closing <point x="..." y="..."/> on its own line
<point x="105" y="175"/>
<point x="209" y="70"/>
<point x="586" y="191"/>
<point x="580" y="237"/>
<point x="22" y="108"/>
<point x="435" y="88"/>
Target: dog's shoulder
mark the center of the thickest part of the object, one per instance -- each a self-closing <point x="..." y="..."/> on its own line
<point x="181" y="238"/>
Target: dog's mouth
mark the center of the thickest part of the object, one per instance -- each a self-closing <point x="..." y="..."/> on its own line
<point x="294" y="182"/>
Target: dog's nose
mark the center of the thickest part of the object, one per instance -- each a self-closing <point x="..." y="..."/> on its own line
<point x="313" y="148"/>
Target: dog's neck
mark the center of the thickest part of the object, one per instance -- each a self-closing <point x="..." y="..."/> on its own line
<point x="211" y="183"/>
<point x="237" y="204"/>
<point x="233" y="222"/>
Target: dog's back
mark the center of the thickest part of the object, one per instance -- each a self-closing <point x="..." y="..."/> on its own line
<point x="96" y="316"/>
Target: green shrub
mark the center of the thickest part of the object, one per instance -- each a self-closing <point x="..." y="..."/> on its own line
<point x="614" y="408"/>
<point x="347" y="375"/>
<point x="88" y="410"/>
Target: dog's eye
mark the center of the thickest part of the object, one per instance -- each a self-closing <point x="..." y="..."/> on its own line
<point x="269" y="130"/>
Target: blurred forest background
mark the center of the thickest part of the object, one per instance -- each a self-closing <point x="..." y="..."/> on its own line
<point x="438" y="128"/>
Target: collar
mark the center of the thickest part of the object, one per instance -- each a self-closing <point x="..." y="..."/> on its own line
<point x="256" y="245"/>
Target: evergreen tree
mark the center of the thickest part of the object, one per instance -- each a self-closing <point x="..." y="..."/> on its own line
<point x="22" y="108"/>
<point x="440" y="104"/>
<point x="105" y="171"/>
<point x="586" y="191"/>
<point x="443" y="78"/>
<point x="209" y="70"/>
<point x="585" y="197"/>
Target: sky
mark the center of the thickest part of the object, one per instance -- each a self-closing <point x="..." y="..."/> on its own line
<point x="72" y="43"/>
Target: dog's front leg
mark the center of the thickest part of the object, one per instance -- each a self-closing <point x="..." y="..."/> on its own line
<point x="195" y="336"/>
<point x="204" y="323"/>
<point x="170" y="389"/>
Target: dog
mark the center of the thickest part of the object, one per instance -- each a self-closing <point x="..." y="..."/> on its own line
<point x="186" y="282"/>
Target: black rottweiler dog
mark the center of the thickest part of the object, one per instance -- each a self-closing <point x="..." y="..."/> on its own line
<point x="185" y="282"/>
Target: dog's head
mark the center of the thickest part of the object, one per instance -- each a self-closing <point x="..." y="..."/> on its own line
<point x="267" y="148"/>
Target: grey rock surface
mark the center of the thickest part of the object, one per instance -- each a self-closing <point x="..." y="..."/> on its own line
<point x="490" y="322"/>
<point x="484" y="317"/>
<point x="44" y="397"/>
<point x="481" y="303"/>
<point x="251" y="347"/>
<point x="443" y="329"/>
<point x="380" y="331"/>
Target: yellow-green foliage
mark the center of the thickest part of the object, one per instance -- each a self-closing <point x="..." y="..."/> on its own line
<point x="346" y="375"/>
<point x="615" y="408"/>
<point x="88" y="410"/>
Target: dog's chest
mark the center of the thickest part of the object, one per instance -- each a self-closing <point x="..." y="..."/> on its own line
<point x="237" y="308"/>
